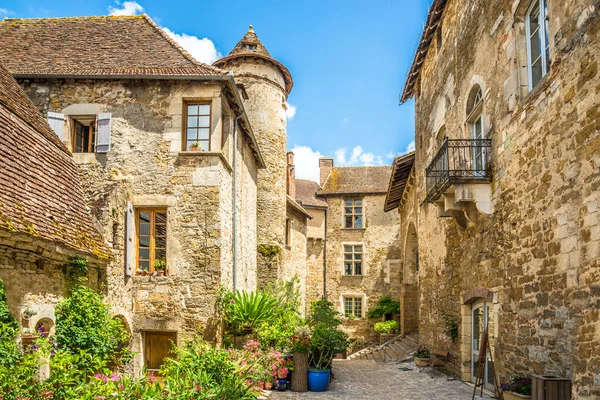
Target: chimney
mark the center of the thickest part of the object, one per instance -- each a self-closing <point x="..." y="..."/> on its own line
<point x="325" y="167"/>
<point x="291" y="176"/>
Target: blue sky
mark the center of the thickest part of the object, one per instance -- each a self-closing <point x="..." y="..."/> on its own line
<point x="349" y="60"/>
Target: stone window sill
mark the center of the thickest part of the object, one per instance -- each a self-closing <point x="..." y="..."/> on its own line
<point x="206" y="154"/>
<point x="353" y="276"/>
<point x="85" y="158"/>
<point x="150" y="278"/>
<point x="353" y="229"/>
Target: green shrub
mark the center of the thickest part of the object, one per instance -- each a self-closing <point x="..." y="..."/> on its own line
<point x="385" y="305"/>
<point x="386" y="326"/>
<point x="327" y="340"/>
<point x="84" y="323"/>
<point x="246" y="311"/>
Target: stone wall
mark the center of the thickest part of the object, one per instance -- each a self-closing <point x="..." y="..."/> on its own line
<point x="314" y="255"/>
<point x="381" y="269"/>
<point x="147" y="168"/>
<point x="537" y="253"/>
<point x="294" y="255"/>
<point x="37" y="275"/>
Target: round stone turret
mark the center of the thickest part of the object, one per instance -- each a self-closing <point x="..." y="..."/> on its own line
<point x="267" y="83"/>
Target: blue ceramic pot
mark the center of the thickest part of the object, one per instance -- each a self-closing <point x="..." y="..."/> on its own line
<point x="318" y="379"/>
<point x="281" y="385"/>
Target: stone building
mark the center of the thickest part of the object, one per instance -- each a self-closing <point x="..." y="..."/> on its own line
<point x="266" y="84"/>
<point x="180" y="222"/>
<point x="502" y="201"/>
<point x="44" y="221"/>
<point x="352" y="244"/>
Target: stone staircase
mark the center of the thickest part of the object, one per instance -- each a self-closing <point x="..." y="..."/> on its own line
<point x="393" y="350"/>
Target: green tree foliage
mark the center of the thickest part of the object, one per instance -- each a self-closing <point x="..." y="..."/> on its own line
<point x="9" y="329"/>
<point x="384" y="306"/>
<point x="84" y="323"/>
<point x="327" y="338"/>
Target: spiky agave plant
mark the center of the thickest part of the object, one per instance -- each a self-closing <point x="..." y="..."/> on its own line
<point x="248" y="310"/>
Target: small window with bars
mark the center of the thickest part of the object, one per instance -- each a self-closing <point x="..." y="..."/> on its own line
<point x="197" y="127"/>
<point x="151" y="241"/>
<point x="353" y="213"/>
<point x="352" y="307"/>
<point x="353" y="259"/>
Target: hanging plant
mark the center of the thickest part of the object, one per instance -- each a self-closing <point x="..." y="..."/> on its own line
<point x="79" y="264"/>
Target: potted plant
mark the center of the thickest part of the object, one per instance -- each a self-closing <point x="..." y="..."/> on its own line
<point x="143" y="271"/>
<point x="268" y="383"/>
<point x="327" y="340"/>
<point x="281" y="372"/>
<point x="387" y="327"/>
<point x="300" y="346"/>
<point x="518" y="387"/>
<point x="160" y="266"/>
<point x="422" y="356"/>
<point x="196" y="146"/>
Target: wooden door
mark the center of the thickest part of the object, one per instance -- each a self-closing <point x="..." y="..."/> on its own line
<point x="157" y="347"/>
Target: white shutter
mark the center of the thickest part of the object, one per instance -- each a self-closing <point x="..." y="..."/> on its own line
<point x="57" y="123"/>
<point x="103" y="133"/>
<point x="129" y="240"/>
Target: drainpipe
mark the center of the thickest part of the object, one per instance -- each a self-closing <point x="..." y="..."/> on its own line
<point x="234" y="200"/>
<point x="325" y="258"/>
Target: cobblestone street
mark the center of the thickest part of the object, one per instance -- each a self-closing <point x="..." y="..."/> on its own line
<point x="367" y="380"/>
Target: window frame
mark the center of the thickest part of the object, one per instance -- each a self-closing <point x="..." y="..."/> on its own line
<point x="353" y="214"/>
<point x="543" y="38"/>
<point x="353" y="261"/>
<point x="92" y="133"/>
<point x="288" y="233"/>
<point x="152" y="246"/>
<point x="184" y="121"/>
<point x="356" y="298"/>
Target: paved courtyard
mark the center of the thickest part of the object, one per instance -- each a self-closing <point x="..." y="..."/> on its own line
<point x="358" y="379"/>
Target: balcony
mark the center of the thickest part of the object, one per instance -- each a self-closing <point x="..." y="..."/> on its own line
<point x="458" y="179"/>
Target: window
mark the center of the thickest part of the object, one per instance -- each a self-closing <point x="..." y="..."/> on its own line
<point x="84" y="134"/>
<point x="353" y="259"/>
<point x="251" y="46"/>
<point x="353" y="213"/>
<point x="288" y="232"/>
<point x="157" y="347"/>
<point x="151" y="239"/>
<point x="475" y="124"/>
<point x="352" y="307"/>
<point x="538" y="47"/>
<point x="197" y="126"/>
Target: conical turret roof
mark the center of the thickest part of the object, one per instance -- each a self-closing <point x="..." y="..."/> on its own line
<point x="251" y="46"/>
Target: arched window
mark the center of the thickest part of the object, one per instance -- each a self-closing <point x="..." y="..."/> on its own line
<point x="475" y="126"/>
<point x="538" y="47"/>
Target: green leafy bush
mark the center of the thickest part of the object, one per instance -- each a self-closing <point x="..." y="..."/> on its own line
<point x="422" y="352"/>
<point x="386" y="326"/>
<point x="327" y="340"/>
<point x="84" y="323"/>
<point x="246" y="311"/>
<point x="9" y="330"/>
<point x="385" y="305"/>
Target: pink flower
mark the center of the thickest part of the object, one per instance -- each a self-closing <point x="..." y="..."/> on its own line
<point x="115" y="378"/>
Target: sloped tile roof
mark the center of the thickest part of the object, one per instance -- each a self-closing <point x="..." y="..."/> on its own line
<point x="306" y="194"/>
<point x="41" y="194"/>
<point x="357" y="180"/>
<point x="398" y="179"/>
<point x="94" y="45"/>
<point x="251" y="46"/>
<point x="297" y="207"/>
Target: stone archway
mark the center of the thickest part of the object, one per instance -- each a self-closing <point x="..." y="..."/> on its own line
<point x="409" y="294"/>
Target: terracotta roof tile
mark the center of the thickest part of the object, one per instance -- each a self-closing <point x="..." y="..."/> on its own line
<point x="306" y="194"/>
<point x="41" y="194"/>
<point x="251" y="46"/>
<point x="349" y="180"/>
<point x="94" y="45"/>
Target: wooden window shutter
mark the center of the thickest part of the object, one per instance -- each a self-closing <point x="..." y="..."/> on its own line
<point x="57" y="123"/>
<point x="103" y="133"/>
<point x="129" y="240"/>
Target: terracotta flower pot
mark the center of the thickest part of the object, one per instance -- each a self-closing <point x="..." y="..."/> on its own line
<point x="421" y="362"/>
<point x="268" y="385"/>
<point x="160" y="272"/>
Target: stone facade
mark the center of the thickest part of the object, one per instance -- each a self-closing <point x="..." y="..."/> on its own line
<point x="146" y="168"/>
<point x="266" y="84"/>
<point x="533" y="260"/>
<point x="327" y="235"/>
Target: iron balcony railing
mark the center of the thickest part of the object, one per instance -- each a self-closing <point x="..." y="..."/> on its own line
<point x="458" y="161"/>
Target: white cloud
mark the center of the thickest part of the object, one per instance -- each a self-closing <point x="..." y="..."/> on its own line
<point x="203" y="50"/>
<point x="127" y="8"/>
<point x="345" y="121"/>
<point x="307" y="163"/>
<point x="357" y="157"/>
<point x="410" y="147"/>
<point x="290" y="111"/>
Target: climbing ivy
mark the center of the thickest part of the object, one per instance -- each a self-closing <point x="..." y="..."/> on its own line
<point x="267" y="250"/>
<point x="451" y="326"/>
<point x="79" y="264"/>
